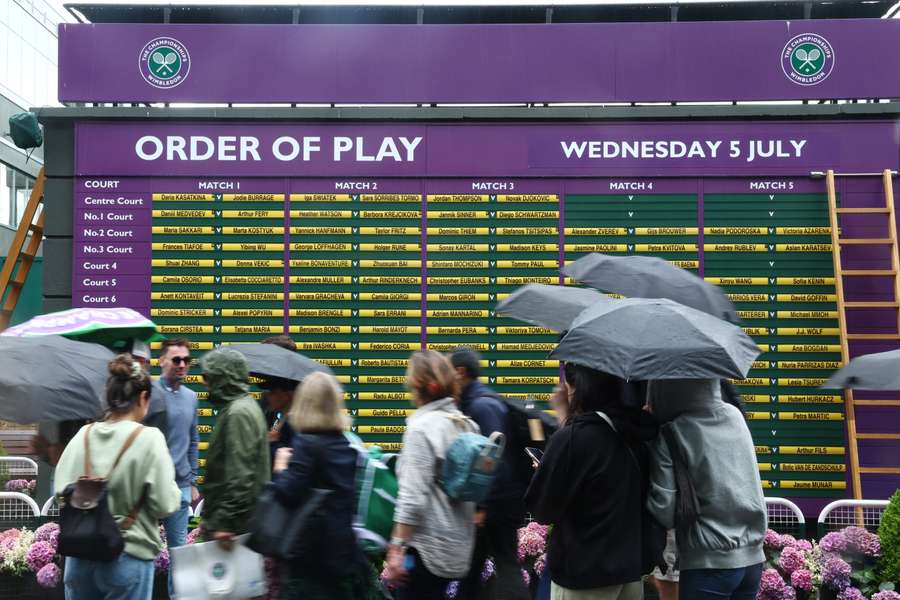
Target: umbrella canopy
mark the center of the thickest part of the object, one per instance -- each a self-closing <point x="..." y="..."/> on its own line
<point x="879" y="371"/>
<point x="269" y="360"/>
<point x="640" y="338"/>
<point x="651" y="277"/>
<point x="107" y="326"/>
<point x="51" y="378"/>
<point x="550" y="306"/>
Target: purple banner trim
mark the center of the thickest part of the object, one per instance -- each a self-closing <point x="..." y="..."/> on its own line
<point x="598" y="62"/>
<point x="214" y="150"/>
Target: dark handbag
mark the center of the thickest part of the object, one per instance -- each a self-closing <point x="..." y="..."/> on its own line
<point x="87" y="529"/>
<point x="276" y="529"/>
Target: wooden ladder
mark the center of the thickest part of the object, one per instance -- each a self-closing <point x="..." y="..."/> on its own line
<point x="837" y="243"/>
<point x="20" y="257"/>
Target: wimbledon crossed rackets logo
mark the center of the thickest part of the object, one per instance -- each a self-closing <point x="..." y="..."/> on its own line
<point x="807" y="59"/>
<point x="164" y="62"/>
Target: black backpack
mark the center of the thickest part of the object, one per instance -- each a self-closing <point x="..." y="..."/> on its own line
<point x="526" y="427"/>
<point x="87" y="528"/>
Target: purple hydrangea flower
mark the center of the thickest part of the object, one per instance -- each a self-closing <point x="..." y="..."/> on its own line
<point x="161" y="562"/>
<point x="773" y="587"/>
<point x="802" y="580"/>
<point x="39" y="555"/>
<point x="851" y="593"/>
<point x="452" y="590"/>
<point x="488" y="570"/>
<point x="46" y="532"/>
<point x="791" y="559"/>
<point x="886" y="595"/>
<point x="23" y="486"/>
<point x="834" y="542"/>
<point x="48" y="576"/>
<point x="526" y="577"/>
<point x="836" y="573"/>
<point x="861" y="541"/>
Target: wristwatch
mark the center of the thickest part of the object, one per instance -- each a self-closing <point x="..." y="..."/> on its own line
<point x="400" y="543"/>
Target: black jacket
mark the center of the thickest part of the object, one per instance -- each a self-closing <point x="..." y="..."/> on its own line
<point x="323" y="460"/>
<point x="589" y="488"/>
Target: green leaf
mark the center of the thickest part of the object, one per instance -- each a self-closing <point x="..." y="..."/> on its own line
<point x="887" y="585"/>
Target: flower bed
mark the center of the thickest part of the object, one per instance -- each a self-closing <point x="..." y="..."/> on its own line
<point x="29" y="563"/>
<point x="840" y="566"/>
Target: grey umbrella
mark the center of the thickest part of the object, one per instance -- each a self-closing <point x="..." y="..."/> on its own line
<point x="651" y="277"/>
<point x="51" y="378"/>
<point x="550" y="306"/>
<point x="879" y="371"/>
<point x="639" y="338"/>
<point x="269" y="360"/>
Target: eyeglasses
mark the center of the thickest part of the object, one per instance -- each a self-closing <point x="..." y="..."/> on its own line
<point x="179" y="360"/>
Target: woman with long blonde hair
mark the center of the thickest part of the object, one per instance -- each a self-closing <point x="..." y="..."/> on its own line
<point x="433" y="536"/>
<point x="328" y="564"/>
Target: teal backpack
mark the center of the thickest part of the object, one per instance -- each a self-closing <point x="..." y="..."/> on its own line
<point x="468" y="470"/>
<point x="376" y="497"/>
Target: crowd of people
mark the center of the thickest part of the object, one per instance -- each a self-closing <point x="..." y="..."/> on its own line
<point x="640" y="477"/>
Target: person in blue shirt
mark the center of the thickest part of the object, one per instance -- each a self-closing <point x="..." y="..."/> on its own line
<point x="181" y="434"/>
<point x="499" y="518"/>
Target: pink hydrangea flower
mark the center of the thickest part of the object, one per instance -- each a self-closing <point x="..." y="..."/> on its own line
<point x="540" y="563"/>
<point x="39" y="555"/>
<point x="886" y="595"/>
<point x="193" y="536"/>
<point x="773" y="540"/>
<point x="804" y="545"/>
<point x="802" y="580"/>
<point x="791" y="559"/>
<point x="532" y="541"/>
<point x="526" y="577"/>
<point x="48" y="576"/>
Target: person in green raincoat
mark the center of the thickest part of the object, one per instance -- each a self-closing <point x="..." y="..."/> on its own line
<point x="237" y="461"/>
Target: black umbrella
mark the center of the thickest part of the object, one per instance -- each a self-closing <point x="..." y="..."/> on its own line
<point x="639" y="339"/>
<point x="879" y="371"/>
<point x="550" y="306"/>
<point x="51" y="378"/>
<point x="269" y="360"/>
<point x="651" y="277"/>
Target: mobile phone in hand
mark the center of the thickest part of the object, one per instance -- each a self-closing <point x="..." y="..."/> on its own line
<point x="535" y="453"/>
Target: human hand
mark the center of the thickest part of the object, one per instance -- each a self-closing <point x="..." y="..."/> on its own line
<point x="394" y="569"/>
<point x="282" y="458"/>
<point x="225" y="539"/>
<point x="195" y="494"/>
<point x="479" y="517"/>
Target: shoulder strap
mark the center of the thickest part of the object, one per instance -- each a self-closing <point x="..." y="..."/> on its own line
<point x="128" y="442"/>
<point x="88" y="471"/>
<point x="631" y="453"/>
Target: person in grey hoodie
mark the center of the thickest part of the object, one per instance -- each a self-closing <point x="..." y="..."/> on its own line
<point x="704" y="482"/>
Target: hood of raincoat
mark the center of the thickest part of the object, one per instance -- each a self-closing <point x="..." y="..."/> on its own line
<point x="226" y="375"/>
<point x="671" y="398"/>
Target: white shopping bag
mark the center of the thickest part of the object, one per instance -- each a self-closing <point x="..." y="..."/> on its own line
<point x="206" y="571"/>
